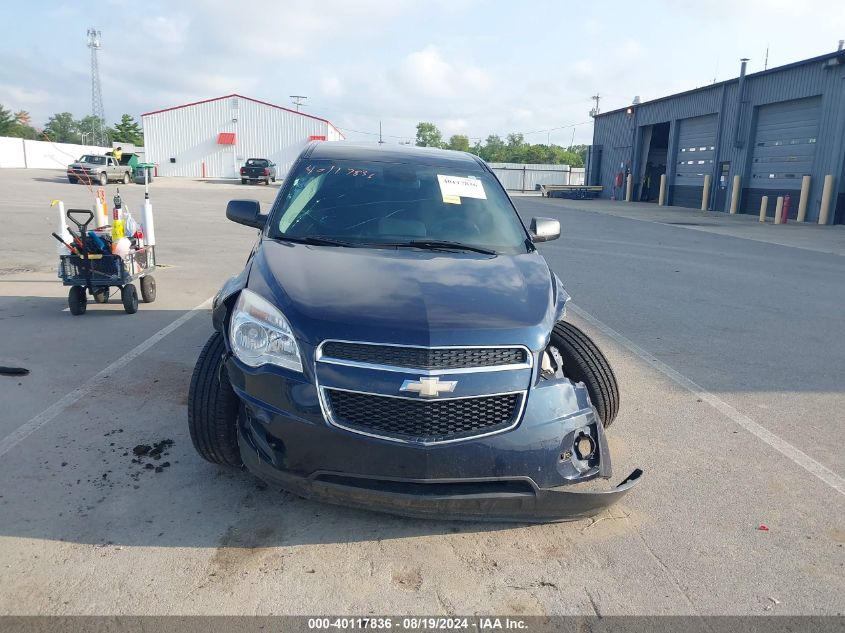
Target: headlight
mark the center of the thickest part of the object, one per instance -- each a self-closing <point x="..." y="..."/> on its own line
<point x="261" y="335"/>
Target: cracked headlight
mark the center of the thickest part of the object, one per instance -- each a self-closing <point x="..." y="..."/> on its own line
<point x="260" y="334"/>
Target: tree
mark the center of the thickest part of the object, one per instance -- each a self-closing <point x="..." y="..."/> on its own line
<point x="93" y="129"/>
<point x="127" y="131"/>
<point x="515" y="140"/>
<point x="6" y="120"/>
<point x="459" y="142"/>
<point x="61" y="128"/>
<point x="428" y="135"/>
<point x="494" y="150"/>
<point x="22" y="117"/>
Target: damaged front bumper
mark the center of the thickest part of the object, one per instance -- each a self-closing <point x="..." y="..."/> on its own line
<point x="531" y="473"/>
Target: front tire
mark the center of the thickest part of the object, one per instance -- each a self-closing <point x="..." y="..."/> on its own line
<point x="243" y="181"/>
<point x="72" y="180"/>
<point x="129" y="296"/>
<point x="126" y="178"/>
<point x="104" y="179"/>
<point x="77" y="300"/>
<point x="584" y="362"/>
<point x="213" y="407"/>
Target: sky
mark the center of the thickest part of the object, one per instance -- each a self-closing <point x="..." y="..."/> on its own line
<point x="469" y="66"/>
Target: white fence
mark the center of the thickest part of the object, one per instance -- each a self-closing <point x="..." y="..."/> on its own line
<point x="529" y="177"/>
<point x="22" y="153"/>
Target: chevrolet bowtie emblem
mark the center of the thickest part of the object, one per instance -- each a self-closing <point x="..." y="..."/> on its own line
<point x="429" y="387"/>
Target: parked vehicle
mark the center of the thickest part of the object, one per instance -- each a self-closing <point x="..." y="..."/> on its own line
<point x="258" y="170"/>
<point x="396" y="342"/>
<point x="96" y="169"/>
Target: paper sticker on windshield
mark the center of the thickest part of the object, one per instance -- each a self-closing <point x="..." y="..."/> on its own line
<point x="452" y="187"/>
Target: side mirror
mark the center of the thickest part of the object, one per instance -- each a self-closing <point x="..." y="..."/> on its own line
<point x="544" y="229"/>
<point x="246" y="212"/>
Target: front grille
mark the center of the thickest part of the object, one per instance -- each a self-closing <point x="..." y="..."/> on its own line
<point x="421" y="420"/>
<point x="424" y="357"/>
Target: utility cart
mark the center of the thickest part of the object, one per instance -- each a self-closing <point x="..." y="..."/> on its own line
<point x="90" y="268"/>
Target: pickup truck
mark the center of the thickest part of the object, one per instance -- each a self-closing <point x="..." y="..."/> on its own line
<point x="258" y="170"/>
<point x="93" y="168"/>
<point x="397" y="342"/>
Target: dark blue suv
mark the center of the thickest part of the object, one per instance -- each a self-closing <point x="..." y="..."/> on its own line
<point x="396" y="342"/>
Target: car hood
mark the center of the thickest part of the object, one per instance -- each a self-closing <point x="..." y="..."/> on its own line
<point x="409" y="296"/>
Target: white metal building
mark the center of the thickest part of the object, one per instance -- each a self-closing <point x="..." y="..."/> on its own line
<point x="213" y="138"/>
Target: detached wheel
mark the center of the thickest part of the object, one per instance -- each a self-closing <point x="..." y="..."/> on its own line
<point x="104" y="179"/>
<point x="101" y="296"/>
<point x="129" y="296"/>
<point x="77" y="301"/>
<point x="213" y="407"/>
<point x="148" y="289"/>
<point x="584" y="362"/>
<point x="126" y="178"/>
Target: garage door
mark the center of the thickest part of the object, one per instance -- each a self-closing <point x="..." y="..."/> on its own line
<point x="785" y="143"/>
<point x="695" y="156"/>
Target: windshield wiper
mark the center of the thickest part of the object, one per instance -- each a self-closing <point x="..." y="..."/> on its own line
<point x="435" y="245"/>
<point x="316" y="241"/>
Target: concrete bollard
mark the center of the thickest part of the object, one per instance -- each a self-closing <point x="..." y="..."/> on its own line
<point x="778" y="209"/>
<point x="764" y="208"/>
<point x="735" y="194"/>
<point x="629" y="188"/>
<point x="802" y="201"/>
<point x="661" y="199"/>
<point x="827" y="195"/>
<point x="705" y="194"/>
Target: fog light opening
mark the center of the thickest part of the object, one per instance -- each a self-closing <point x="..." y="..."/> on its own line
<point x="584" y="446"/>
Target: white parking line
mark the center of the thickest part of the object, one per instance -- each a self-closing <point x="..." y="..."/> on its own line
<point x="782" y="446"/>
<point x="28" y="428"/>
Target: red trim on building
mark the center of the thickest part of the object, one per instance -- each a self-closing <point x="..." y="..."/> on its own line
<point x="226" y="138"/>
<point x="272" y="105"/>
<point x="317" y="137"/>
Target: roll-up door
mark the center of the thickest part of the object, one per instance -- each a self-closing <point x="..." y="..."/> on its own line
<point x="785" y="144"/>
<point x="694" y="158"/>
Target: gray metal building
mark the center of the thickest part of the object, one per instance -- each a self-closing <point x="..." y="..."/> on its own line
<point x="770" y="128"/>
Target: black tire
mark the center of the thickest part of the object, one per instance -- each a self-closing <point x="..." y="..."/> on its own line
<point x="104" y="179"/>
<point x="584" y="362"/>
<point x="243" y="181"/>
<point x="77" y="301"/>
<point x="213" y="407"/>
<point x="72" y="180"/>
<point x="267" y="182"/>
<point x="126" y="178"/>
<point x="273" y="178"/>
<point x="148" y="288"/>
<point x="129" y="296"/>
<point x="101" y="296"/>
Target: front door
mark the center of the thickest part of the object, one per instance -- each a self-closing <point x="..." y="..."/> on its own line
<point x="722" y="187"/>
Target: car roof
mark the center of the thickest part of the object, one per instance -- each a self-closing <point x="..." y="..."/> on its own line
<point x="348" y="150"/>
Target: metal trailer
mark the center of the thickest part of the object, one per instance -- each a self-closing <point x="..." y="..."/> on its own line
<point x="91" y="271"/>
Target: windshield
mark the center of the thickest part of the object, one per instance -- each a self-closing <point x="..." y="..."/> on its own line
<point x="372" y="203"/>
<point x="257" y="162"/>
<point x="93" y="160"/>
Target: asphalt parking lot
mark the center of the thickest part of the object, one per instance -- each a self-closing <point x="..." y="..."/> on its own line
<point x="728" y="346"/>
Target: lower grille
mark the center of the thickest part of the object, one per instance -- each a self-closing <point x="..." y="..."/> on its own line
<point x="420" y="420"/>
